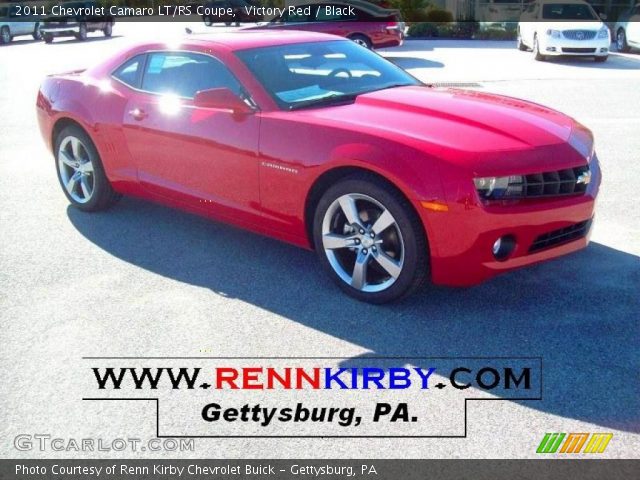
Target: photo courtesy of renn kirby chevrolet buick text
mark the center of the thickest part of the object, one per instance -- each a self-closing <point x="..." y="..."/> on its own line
<point x="319" y="142"/>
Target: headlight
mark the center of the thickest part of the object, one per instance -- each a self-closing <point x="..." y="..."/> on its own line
<point x="554" y="33"/>
<point x="603" y="33"/>
<point x="496" y="188"/>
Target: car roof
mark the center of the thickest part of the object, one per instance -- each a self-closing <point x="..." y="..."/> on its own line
<point x="244" y="39"/>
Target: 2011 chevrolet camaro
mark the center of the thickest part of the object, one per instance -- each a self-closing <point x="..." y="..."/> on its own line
<point x="319" y="142"/>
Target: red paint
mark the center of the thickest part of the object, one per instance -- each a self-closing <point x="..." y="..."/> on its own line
<point x="256" y="171"/>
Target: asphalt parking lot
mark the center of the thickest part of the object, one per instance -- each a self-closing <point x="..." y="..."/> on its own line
<point x="141" y="279"/>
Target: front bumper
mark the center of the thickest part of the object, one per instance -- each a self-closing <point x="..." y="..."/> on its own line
<point x="563" y="46"/>
<point x="60" y="29"/>
<point x="461" y="239"/>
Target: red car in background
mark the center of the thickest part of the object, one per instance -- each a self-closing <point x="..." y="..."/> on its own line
<point x="366" y="24"/>
<point x="316" y="141"/>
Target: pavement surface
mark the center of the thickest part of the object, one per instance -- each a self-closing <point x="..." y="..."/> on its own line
<point x="145" y="280"/>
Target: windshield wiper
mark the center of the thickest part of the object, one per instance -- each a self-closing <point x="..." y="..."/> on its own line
<point x="333" y="99"/>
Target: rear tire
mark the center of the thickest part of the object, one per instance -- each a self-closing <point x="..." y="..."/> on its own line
<point x="207" y="21"/>
<point x="81" y="173"/>
<point x="521" y="46"/>
<point x="47" y="37"/>
<point x="621" y="41"/>
<point x="36" y="32"/>
<point x="378" y="252"/>
<point x="5" y="35"/>
<point x="108" y="30"/>
<point x="361" y="40"/>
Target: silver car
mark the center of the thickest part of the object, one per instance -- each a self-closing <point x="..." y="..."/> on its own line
<point x="10" y="27"/>
<point x="627" y="30"/>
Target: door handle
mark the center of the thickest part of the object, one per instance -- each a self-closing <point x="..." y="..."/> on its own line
<point x="138" y="114"/>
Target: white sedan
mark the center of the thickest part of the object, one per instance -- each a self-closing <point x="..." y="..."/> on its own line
<point x="628" y="30"/>
<point x="563" y="27"/>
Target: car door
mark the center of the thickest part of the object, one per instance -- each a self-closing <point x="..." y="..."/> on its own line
<point x="204" y="157"/>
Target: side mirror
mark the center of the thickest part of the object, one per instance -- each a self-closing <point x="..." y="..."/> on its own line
<point x="603" y="16"/>
<point x="221" y="98"/>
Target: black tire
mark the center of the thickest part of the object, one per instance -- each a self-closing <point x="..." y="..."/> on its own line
<point x="36" y="32"/>
<point x="621" y="41"/>
<point x="108" y="30"/>
<point x="536" y="51"/>
<point x="104" y="196"/>
<point x="228" y="24"/>
<point x="601" y="59"/>
<point x="82" y="32"/>
<point x="207" y="20"/>
<point x="361" y="40"/>
<point x="521" y="46"/>
<point x="47" y="37"/>
<point x="415" y="266"/>
<point x="5" y="35"/>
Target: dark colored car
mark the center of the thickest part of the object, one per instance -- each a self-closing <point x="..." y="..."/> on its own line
<point x="79" y="23"/>
<point x="364" y="23"/>
<point x="241" y="12"/>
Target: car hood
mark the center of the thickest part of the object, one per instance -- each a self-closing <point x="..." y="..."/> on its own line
<point x="454" y="119"/>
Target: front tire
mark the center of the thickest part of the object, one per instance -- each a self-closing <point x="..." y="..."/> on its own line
<point x="108" y="30"/>
<point x="370" y="240"/>
<point x="207" y="20"/>
<point x="82" y="32"/>
<point x="80" y="171"/>
<point x="621" y="41"/>
<point x="36" y="32"/>
<point x="536" y="50"/>
<point x="47" y="37"/>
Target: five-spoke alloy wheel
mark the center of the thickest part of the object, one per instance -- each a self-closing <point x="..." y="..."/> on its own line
<point x="80" y="171"/>
<point x="370" y="239"/>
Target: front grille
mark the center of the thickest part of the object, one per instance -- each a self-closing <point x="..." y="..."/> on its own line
<point x="578" y="50"/>
<point x="554" y="183"/>
<point x="579" y="34"/>
<point x="560" y="236"/>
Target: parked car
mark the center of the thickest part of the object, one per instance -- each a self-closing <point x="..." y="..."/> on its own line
<point x="240" y="8"/>
<point x="319" y="142"/>
<point x="627" y="30"/>
<point x="563" y="27"/>
<point x="10" y="27"/>
<point x="366" y="24"/>
<point x="78" y="26"/>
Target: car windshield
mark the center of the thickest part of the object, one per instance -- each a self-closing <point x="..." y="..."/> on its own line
<point x="321" y="73"/>
<point x="568" y="11"/>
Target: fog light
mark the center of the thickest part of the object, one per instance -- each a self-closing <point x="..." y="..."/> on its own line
<point x="503" y="247"/>
<point x="551" y="49"/>
<point x="604" y="50"/>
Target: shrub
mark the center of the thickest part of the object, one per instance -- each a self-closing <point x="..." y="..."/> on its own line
<point x="437" y="15"/>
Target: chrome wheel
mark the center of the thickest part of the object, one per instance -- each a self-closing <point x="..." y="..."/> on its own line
<point x="76" y="169"/>
<point x="363" y="242"/>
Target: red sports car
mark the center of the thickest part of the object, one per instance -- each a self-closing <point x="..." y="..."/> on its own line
<point x="319" y="142"/>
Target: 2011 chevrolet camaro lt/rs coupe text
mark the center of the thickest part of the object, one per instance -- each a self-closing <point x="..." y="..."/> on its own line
<point x="322" y="143"/>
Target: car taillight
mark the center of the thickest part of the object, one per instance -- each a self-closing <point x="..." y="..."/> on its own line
<point x="392" y="26"/>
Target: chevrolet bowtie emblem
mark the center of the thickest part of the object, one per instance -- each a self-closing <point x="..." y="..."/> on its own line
<point x="584" y="177"/>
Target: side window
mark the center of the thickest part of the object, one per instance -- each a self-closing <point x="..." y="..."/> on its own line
<point x="184" y="74"/>
<point x="130" y="71"/>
